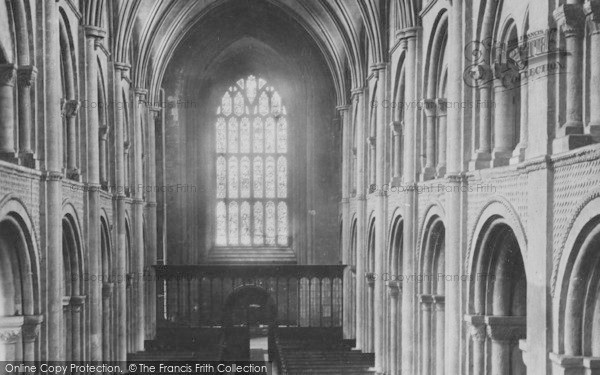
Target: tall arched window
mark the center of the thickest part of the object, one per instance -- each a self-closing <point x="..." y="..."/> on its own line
<point x="251" y="166"/>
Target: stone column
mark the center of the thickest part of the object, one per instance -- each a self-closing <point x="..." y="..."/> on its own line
<point x="77" y="304"/>
<point x="345" y="203"/>
<point x="430" y="108"/>
<point x="69" y="112"/>
<point x="571" y="19"/>
<point x="93" y="36"/>
<point x="394" y="288"/>
<point x="519" y="152"/>
<point x="107" y="294"/>
<point x="7" y="115"/>
<point x="53" y="176"/>
<point x="371" y="141"/>
<point x="503" y="118"/>
<point x="103" y="131"/>
<point x="476" y="325"/>
<point x="358" y="96"/>
<point x="10" y="333"/>
<point x="453" y="196"/>
<point x="370" y="326"/>
<point x="408" y="244"/>
<point x="592" y="10"/>
<point x="426" y="302"/>
<point x="121" y="74"/>
<point x="31" y="332"/>
<point x="440" y="323"/>
<point x="442" y="105"/>
<point x="396" y="127"/>
<point x="505" y="332"/>
<point x="138" y="218"/>
<point x="151" y="227"/>
<point x="26" y="77"/>
<point x="380" y="214"/>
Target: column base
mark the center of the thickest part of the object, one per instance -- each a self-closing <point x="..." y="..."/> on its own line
<point x="574" y="365"/>
<point x="570" y="142"/>
<point x="428" y="173"/>
<point x="500" y="158"/>
<point x="518" y="155"/>
<point x="480" y="160"/>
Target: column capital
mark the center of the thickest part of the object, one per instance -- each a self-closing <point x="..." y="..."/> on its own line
<point x="78" y="300"/>
<point x="355" y="92"/>
<point x="377" y="67"/>
<point x="69" y="107"/>
<point x="7" y="74"/>
<point x="411" y="32"/>
<point x="140" y="92"/>
<point x="31" y="327"/>
<point x="343" y="108"/>
<point x="53" y="176"/>
<point x="438" y="299"/>
<point x="592" y="12"/>
<point x="10" y="329"/>
<point x="123" y="69"/>
<point x="370" y="278"/>
<point x="426" y="300"/>
<point x="103" y="131"/>
<point x="476" y="324"/>
<point x="26" y="75"/>
<point x="371" y="141"/>
<point x="396" y="126"/>
<point x="442" y="106"/>
<point x="94" y="32"/>
<point x="429" y="106"/>
<point x="571" y="18"/>
<point x="506" y="328"/>
<point x="394" y="288"/>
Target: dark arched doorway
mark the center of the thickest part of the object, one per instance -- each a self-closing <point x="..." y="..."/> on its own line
<point x="249" y="316"/>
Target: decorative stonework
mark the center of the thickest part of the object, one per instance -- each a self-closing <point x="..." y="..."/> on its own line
<point x="31" y="327"/>
<point x="10" y="329"/>
<point x="7" y="74"/>
<point x="394" y="288"/>
<point x="370" y="278"/>
<point x="26" y="75"/>
<point x="476" y="325"/>
<point x="69" y="108"/>
<point x="571" y="18"/>
<point x="506" y="328"/>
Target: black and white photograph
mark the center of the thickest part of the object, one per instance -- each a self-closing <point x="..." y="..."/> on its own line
<point x="300" y="187"/>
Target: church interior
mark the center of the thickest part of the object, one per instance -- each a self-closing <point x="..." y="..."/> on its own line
<point x="334" y="186"/>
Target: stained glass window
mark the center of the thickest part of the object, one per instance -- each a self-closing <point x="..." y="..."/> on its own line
<point x="251" y="166"/>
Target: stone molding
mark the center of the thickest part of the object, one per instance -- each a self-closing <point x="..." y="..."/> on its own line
<point x="26" y="75"/>
<point x="7" y="74"/>
<point x="506" y="328"/>
<point x="394" y="288"/>
<point x="571" y="19"/>
<point x="10" y="329"/>
<point x="31" y="327"/>
<point x="429" y="107"/>
<point x="69" y="108"/>
<point x="370" y="278"/>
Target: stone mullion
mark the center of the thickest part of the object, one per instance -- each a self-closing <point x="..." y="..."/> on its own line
<point x="441" y="105"/>
<point x="394" y="289"/>
<point x="430" y="108"/>
<point x="69" y="110"/>
<point x="440" y="323"/>
<point x="346" y="127"/>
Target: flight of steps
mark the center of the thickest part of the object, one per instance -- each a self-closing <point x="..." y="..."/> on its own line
<point x="324" y="354"/>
